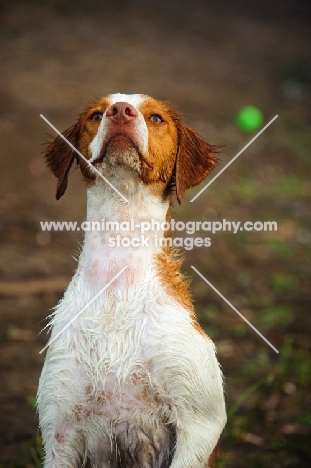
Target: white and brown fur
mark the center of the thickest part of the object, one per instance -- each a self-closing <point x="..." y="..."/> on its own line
<point x="134" y="381"/>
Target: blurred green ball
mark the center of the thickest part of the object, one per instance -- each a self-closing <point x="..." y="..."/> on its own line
<point x="249" y="118"/>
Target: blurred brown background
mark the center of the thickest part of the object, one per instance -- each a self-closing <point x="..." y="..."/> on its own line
<point x="210" y="59"/>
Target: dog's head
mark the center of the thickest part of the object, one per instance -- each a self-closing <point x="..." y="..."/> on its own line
<point x="144" y="135"/>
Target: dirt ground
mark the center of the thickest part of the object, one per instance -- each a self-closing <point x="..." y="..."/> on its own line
<point x="210" y="59"/>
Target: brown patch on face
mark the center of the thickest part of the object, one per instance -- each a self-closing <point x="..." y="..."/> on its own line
<point x="60" y="156"/>
<point x="89" y="126"/>
<point x="179" y="155"/>
<point x="162" y="141"/>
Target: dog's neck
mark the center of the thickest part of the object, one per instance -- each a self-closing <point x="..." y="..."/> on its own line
<point x="105" y="203"/>
<point x="106" y="251"/>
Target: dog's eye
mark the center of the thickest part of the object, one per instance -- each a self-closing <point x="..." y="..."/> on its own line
<point x="97" y="116"/>
<point x="156" y="118"/>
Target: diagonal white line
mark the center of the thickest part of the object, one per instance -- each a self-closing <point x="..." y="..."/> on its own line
<point x="235" y="157"/>
<point x="84" y="159"/>
<point x="82" y="310"/>
<point x="235" y="310"/>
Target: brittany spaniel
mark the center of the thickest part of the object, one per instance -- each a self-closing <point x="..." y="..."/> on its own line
<point x="133" y="381"/>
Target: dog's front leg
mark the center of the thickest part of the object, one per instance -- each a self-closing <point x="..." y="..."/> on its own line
<point x="195" y="441"/>
<point x="63" y="447"/>
<point x="60" y="412"/>
<point x="196" y="388"/>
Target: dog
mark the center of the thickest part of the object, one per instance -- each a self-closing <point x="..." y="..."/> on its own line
<point x="132" y="381"/>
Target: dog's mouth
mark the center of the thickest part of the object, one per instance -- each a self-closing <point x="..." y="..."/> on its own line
<point x="122" y="147"/>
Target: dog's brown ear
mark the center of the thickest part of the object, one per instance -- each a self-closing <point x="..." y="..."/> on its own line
<point x="195" y="160"/>
<point x="60" y="156"/>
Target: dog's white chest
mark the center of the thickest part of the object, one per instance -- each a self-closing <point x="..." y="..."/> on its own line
<point x="112" y="369"/>
<point x="107" y="358"/>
